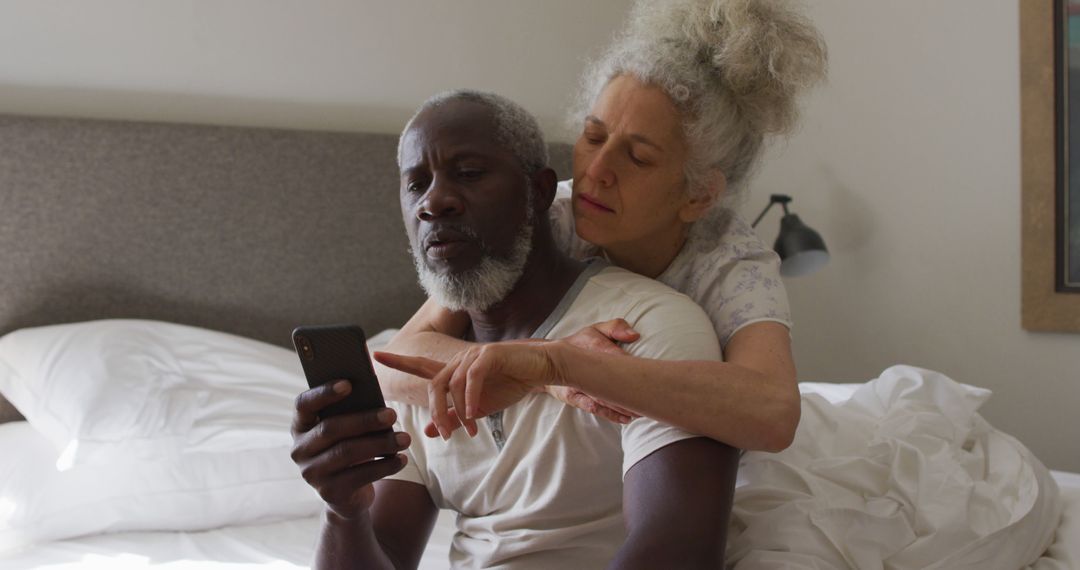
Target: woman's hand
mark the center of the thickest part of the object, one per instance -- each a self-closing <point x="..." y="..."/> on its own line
<point x="601" y="337"/>
<point x="492" y="377"/>
<point x="482" y="380"/>
<point x="582" y="401"/>
<point x="604" y="336"/>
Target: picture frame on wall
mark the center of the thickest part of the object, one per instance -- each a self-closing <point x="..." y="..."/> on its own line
<point x="1067" y="85"/>
<point x="1050" y="144"/>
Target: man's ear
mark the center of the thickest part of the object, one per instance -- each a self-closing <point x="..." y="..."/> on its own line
<point x="711" y="192"/>
<point x="544" y="182"/>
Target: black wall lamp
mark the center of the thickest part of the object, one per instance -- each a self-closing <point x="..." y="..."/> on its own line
<point x="801" y="249"/>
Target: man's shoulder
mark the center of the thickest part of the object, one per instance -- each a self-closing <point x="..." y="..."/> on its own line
<point x="622" y="282"/>
<point x="672" y="325"/>
<point x="637" y="293"/>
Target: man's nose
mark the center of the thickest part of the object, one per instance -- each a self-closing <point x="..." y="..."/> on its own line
<point x="441" y="200"/>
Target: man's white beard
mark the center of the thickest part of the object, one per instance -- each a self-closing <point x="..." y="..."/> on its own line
<point x="480" y="288"/>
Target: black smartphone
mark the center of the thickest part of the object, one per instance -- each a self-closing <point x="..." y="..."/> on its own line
<point x="339" y="352"/>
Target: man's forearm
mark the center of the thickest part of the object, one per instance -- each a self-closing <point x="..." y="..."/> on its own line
<point x="350" y="543"/>
<point x="402" y="387"/>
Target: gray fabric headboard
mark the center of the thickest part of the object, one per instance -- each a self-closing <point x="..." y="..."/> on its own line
<point x="244" y="230"/>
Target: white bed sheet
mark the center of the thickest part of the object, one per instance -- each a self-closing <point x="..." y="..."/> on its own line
<point x="1064" y="553"/>
<point x="285" y="545"/>
<point x="288" y="545"/>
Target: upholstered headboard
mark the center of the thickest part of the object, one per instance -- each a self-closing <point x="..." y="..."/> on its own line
<point x="244" y="230"/>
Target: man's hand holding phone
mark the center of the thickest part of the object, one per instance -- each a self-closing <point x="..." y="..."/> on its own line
<point x="342" y="455"/>
<point x="343" y="437"/>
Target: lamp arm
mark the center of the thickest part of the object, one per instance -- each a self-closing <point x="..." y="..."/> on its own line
<point x="762" y="214"/>
<point x="781" y="199"/>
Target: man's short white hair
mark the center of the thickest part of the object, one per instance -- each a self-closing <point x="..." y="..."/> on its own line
<point x="515" y="128"/>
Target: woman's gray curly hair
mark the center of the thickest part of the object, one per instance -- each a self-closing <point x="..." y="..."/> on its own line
<point x="733" y="68"/>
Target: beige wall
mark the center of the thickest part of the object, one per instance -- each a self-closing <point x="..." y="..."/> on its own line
<point x="908" y="162"/>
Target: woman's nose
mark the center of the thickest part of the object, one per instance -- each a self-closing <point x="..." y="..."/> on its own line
<point x="441" y="200"/>
<point x="599" y="168"/>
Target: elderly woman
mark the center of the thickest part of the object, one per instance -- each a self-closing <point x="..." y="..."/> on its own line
<point x="677" y="113"/>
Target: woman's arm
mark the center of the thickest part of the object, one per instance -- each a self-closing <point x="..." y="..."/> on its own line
<point x="750" y="401"/>
<point x="433" y="332"/>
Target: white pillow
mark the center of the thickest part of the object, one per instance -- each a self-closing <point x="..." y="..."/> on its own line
<point x="111" y="390"/>
<point x="197" y="491"/>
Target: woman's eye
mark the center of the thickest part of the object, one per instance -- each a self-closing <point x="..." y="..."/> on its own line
<point x="592" y="136"/>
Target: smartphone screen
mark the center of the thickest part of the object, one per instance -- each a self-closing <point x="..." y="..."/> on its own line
<point x="339" y="352"/>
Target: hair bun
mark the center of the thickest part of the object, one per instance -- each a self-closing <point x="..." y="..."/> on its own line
<point x="762" y="52"/>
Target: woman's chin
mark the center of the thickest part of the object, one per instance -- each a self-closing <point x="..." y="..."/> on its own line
<point x="588" y="231"/>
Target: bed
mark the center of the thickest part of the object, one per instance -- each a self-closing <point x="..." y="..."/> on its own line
<point x="151" y="274"/>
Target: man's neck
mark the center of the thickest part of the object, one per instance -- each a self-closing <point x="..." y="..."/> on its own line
<point x="548" y="275"/>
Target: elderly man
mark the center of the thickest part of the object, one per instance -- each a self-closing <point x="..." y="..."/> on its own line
<point x="542" y="485"/>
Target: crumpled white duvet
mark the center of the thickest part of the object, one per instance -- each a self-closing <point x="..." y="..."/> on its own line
<point x="904" y="474"/>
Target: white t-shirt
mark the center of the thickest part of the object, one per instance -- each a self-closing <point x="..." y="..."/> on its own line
<point x="551" y="497"/>
<point x="723" y="267"/>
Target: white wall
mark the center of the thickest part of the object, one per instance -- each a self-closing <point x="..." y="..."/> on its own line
<point x="909" y="165"/>
<point x="908" y="162"/>
<point x="324" y="64"/>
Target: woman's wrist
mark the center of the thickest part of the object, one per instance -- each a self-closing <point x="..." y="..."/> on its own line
<point x="560" y="358"/>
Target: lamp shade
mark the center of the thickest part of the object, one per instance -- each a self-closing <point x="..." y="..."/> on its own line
<point x="801" y="249"/>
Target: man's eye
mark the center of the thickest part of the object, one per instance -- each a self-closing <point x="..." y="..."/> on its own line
<point x="636" y="160"/>
<point x="416" y="186"/>
<point x="470" y="173"/>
